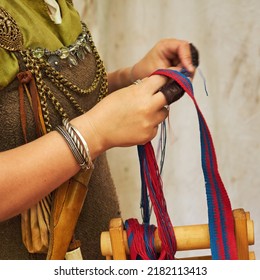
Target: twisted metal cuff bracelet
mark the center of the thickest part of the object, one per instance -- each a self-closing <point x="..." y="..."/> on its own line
<point x="76" y="143"/>
<point x="71" y="144"/>
<point x="79" y="141"/>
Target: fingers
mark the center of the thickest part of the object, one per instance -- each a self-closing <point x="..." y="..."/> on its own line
<point x="153" y="83"/>
<point x="163" y="114"/>
<point x="159" y="117"/>
<point x="161" y="90"/>
<point x="185" y="56"/>
<point x="155" y="102"/>
<point x="151" y="87"/>
<point x="179" y="52"/>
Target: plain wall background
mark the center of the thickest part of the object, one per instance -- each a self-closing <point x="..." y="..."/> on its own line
<point x="226" y="33"/>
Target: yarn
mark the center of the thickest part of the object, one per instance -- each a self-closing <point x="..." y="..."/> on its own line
<point x="220" y="218"/>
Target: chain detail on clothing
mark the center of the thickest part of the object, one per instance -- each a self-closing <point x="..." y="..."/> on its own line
<point x="39" y="65"/>
<point x="36" y="61"/>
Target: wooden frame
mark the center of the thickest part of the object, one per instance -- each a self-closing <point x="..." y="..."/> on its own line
<point x="114" y="244"/>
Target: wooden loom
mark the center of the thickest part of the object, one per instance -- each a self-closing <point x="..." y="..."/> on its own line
<point x="114" y="244"/>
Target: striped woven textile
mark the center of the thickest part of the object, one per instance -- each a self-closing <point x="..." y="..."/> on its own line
<point x="220" y="218"/>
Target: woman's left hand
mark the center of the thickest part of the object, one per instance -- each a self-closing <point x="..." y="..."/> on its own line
<point x="166" y="53"/>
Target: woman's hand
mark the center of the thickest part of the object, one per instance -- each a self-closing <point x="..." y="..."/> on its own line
<point x="166" y="53"/>
<point x="126" y="117"/>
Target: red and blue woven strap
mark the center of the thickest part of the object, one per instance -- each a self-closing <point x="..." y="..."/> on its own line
<point x="221" y="223"/>
<point x="220" y="218"/>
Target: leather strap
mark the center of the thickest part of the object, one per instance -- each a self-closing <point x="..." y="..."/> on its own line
<point x="26" y="80"/>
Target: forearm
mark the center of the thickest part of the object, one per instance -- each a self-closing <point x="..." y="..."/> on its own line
<point x="119" y="79"/>
<point x="33" y="170"/>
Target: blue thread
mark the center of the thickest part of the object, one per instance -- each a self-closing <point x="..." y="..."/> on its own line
<point x="204" y="81"/>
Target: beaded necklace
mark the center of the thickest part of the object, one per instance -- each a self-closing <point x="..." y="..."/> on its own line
<point x="41" y="61"/>
<point x="72" y="53"/>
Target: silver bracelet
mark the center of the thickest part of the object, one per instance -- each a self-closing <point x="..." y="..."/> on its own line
<point x="71" y="144"/>
<point x="76" y="143"/>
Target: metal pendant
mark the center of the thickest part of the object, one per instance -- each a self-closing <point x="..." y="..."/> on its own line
<point x="80" y="54"/>
<point x="54" y="60"/>
<point x="72" y="60"/>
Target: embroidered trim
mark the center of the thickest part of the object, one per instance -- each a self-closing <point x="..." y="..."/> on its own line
<point x="10" y="36"/>
<point x="38" y="65"/>
<point x="41" y="61"/>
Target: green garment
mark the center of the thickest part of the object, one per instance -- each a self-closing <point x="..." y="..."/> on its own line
<point x="31" y="14"/>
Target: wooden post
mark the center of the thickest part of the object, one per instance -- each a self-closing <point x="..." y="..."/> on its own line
<point x="114" y="243"/>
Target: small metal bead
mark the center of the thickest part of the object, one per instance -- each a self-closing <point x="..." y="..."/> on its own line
<point x="53" y="60"/>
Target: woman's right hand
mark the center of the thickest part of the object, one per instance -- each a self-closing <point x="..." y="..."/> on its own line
<point x="126" y="117"/>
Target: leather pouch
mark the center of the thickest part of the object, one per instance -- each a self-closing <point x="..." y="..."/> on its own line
<point x="35" y="224"/>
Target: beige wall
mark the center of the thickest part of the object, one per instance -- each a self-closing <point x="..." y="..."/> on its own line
<point x="227" y="36"/>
